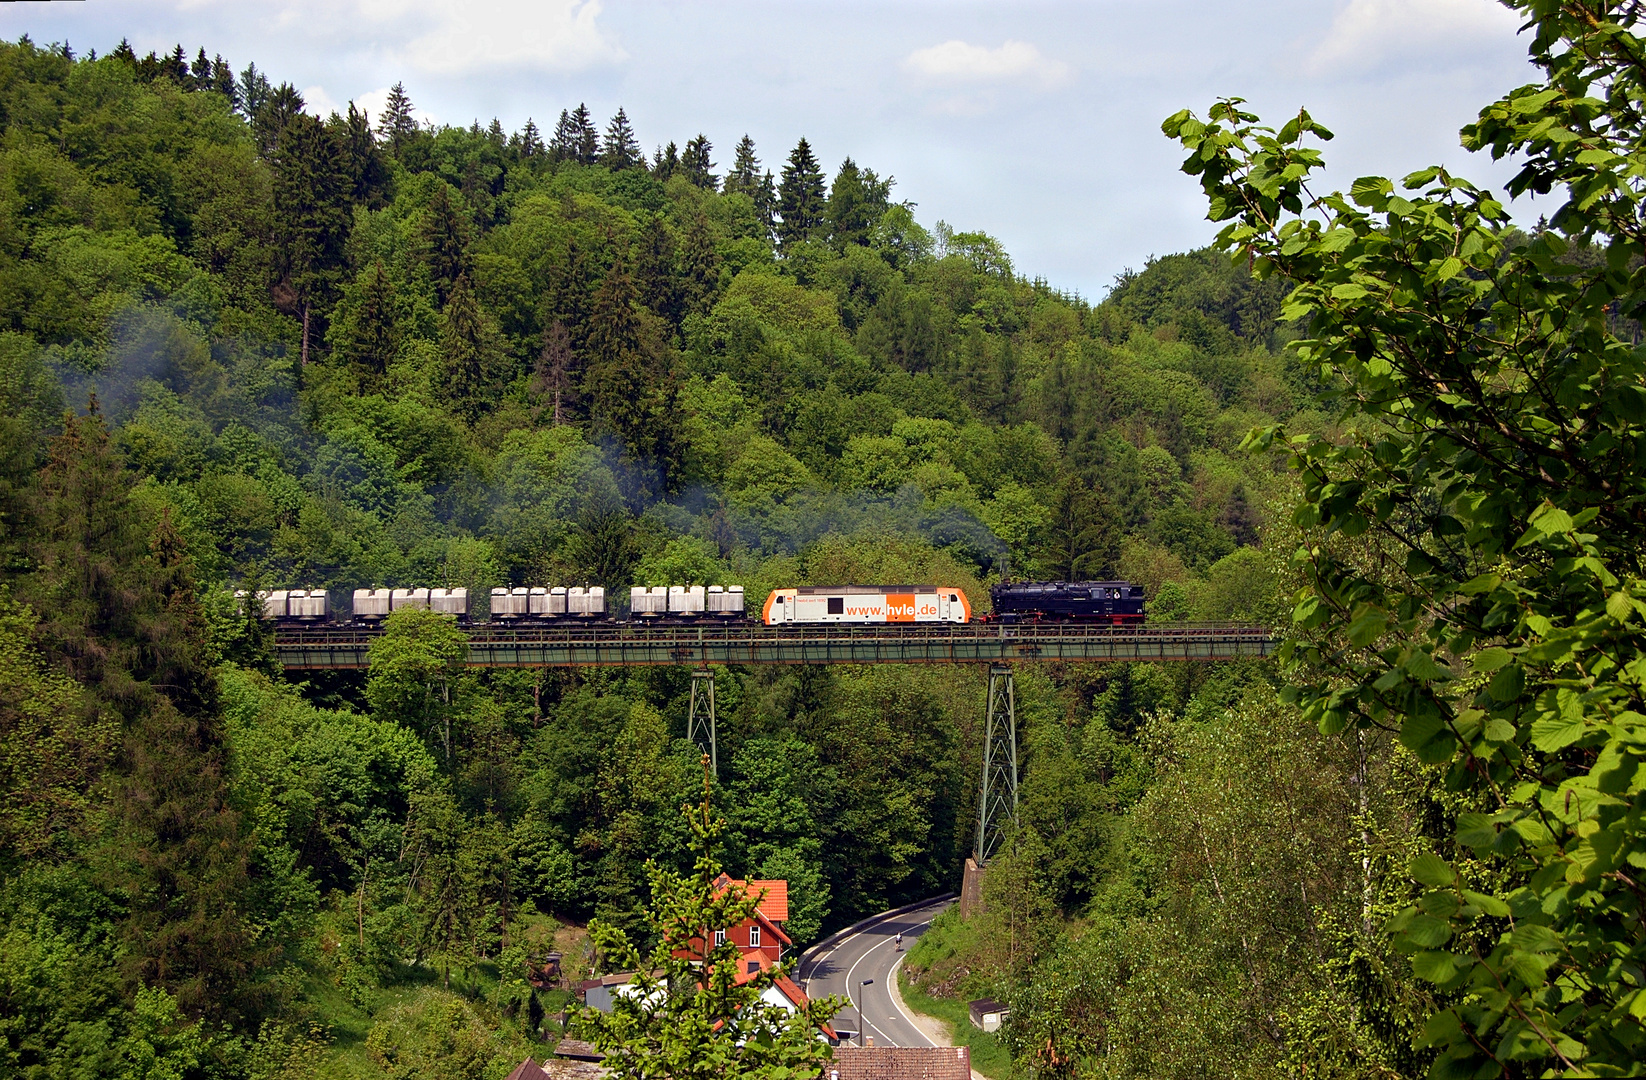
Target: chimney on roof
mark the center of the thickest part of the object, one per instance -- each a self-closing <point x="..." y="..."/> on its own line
<point x="869" y="1041"/>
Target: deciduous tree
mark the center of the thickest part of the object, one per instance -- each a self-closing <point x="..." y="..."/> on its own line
<point x="1472" y="545"/>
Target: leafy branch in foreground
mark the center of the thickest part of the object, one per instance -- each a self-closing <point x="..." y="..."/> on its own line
<point x="685" y="1014"/>
<point x="1473" y="544"/>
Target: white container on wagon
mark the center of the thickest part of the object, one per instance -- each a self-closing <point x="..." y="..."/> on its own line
<point x="307" y="604"/>
<point x="450" y="602"/>
<point x="724" y="601"/>
<point x="587" y="602"/>
<point x="648" y="603"/>
<point x="556" y="601"/>
<point x="408" y="598"/>
<point x="509" y="603"/>
<point x="372" y="603"/>
<point x="686" y="600"/>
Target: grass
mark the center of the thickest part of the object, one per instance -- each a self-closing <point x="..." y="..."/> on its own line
<point x="989" y="1055"/>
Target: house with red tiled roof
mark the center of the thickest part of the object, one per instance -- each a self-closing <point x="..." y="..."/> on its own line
<point x="760" y="941"/>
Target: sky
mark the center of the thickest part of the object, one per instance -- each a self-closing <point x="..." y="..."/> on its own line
<point x="1038" y="123"/>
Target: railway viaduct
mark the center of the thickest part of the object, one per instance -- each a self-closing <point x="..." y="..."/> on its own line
<point x="999" y="647"/>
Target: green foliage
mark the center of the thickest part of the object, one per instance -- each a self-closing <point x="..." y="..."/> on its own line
<point x="685" y="1012"/>
<point x="1469" y="548"/>
<point x="329" y="356"/>
<point x="417" y="671"/>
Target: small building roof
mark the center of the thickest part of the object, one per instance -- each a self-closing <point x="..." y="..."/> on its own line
<point x="983" y="1007"/>
<point x="900" y="1063"/>
<point x="774" y="904"/>
<point x="797" y="997"/>
<point x="578" y="1050"/>
<point x="528" y="1070"/>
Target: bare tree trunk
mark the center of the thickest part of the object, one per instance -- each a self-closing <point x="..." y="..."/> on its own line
<point x="360" y="906"/>
<point x="1365" y="840"/>
<point x="304" y="362"/>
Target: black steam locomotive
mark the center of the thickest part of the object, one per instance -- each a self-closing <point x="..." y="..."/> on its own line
<point x="1117" y="603"/>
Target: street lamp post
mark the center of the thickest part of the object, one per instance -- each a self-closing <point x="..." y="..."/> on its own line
<point x="861" y="995"/>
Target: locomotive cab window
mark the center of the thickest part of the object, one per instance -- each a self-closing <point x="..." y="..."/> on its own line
<point x="837" y="605"/>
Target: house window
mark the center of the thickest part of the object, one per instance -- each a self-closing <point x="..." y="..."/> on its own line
<point x="754" y="966"/>
<point x="754" y="937"/>
<point x="719" y="937"/>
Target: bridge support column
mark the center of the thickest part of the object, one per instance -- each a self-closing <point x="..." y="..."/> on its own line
<point x="700" y="717"/>
<point x="997" y="796"/>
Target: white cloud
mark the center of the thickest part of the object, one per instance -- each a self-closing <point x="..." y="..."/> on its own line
<point x="1013" y="61"/>
<point x="372" y="101"/>
<point x="459" y="38"/>
<point x="1370" y="33"/>
<point x="319" y="103"/>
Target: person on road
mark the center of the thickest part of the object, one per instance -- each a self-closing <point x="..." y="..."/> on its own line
<point x="900" y="941"/>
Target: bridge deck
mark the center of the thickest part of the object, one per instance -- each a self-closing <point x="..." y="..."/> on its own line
<point x="626" y="646"/>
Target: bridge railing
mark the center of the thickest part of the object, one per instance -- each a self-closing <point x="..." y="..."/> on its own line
<point x="626" y="644"/>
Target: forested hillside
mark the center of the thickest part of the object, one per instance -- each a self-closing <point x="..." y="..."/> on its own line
<point x="246" y="347"/>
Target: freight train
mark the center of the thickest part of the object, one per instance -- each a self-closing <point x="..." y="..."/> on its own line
<point x="1116" y="603"/>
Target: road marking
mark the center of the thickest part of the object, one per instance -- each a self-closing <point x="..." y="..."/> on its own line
<point x="862" y="1021"/>
<point x="897" y="999"/>
<point x="837" y="946"/>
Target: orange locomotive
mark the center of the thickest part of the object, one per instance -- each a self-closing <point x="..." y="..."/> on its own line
<point x="825" y="604"/>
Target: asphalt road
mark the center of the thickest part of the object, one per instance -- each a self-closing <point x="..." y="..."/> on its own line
<point x="870" y="953"/>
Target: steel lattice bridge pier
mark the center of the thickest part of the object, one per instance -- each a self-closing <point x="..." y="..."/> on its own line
<point x="997" y="647"/>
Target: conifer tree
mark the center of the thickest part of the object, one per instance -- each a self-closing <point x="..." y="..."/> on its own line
<point x="552" y="373"/>
<point x="251" y="92"/>
<point x="370" y="339"/>
<point x="88" y="540"/>
<point x="531" y="140"/>
<point x="618" y="382"/>
<point x="120" y="615"/>
<point x="699" y="169"/>
<point x="123" y="52"/>
<point x="699" y="263"/>
<point x="495" y="136"/>
<point x="222" y="81"/>
<point x="180" y="857"/>
<point x="801" y="205"/>
<point x="744" y="177"/>
<point x="284" y="104"/>
<point x="587" y="136"/>
<point x="1080" y="541"/>
<point x="362" y="158"/>
<point x="313" y="191"/>
<point x="563" y="145"/>
<point x="463" y="343"/>
<point x="666" y="161"/>
<point x="765" y="203"/>
<point x="568" y="297"/>
<point x="620" y="150"/>
<point x="177" y="66"/>
<point x="654" y="271"/>
<point x="395" y="124"/>
<point x="857" y="201"/>
<point x="443" y="237"/>
<point x="312" y="196"/>
<point x="201" y="71"/>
